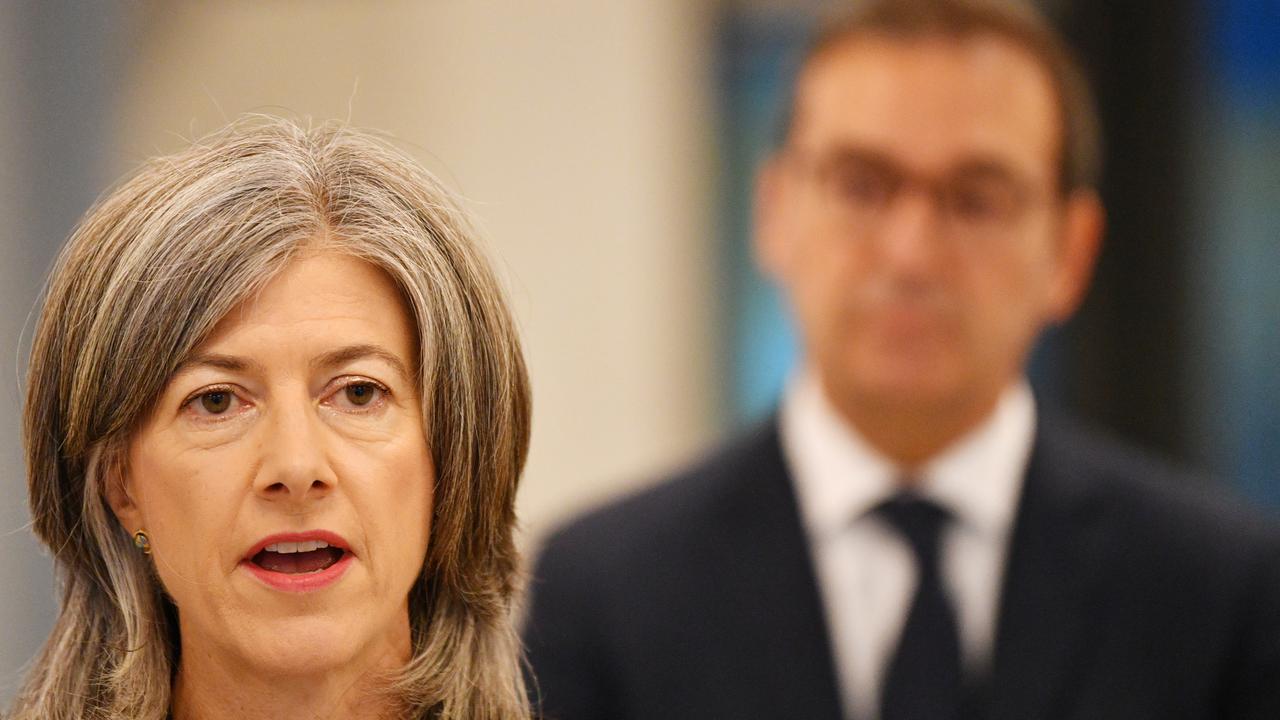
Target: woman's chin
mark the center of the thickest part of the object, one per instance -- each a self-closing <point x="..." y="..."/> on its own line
<point x="301" y="645"/>
<point x="274" y="634"/>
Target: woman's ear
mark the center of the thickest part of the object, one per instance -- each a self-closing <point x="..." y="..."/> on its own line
<point x="120" y="498"/>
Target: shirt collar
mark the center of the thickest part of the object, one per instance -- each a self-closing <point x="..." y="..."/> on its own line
<point x="839" y="476"/>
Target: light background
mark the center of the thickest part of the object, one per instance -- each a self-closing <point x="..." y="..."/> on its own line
<point x="580" y="133"/>
<point x="607" y="148"/>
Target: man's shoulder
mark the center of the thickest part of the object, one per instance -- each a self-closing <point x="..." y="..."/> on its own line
<point x="680" y="509"/>
<point x="1151" y="500"/>
<point x="1150" y="495"/>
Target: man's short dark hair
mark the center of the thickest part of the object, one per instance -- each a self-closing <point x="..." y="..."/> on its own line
<point x="1080" y="157"/>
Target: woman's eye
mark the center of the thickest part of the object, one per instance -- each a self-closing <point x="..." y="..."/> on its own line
<point x="212" y="403"/>
<point x="216" y="402"/>
<point x="360" y="394"/>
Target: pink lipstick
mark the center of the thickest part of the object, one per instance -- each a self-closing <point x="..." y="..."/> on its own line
<point x="299" y="562"/>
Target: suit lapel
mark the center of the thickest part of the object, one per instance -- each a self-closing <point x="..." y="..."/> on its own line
<point x="775" y="597"/>
<point x="1055" y="554"/>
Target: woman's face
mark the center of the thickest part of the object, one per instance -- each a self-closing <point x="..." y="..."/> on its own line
<point x="296" y="425"/>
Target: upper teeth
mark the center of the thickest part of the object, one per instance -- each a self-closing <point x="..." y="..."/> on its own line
<point x="297" y="547"/>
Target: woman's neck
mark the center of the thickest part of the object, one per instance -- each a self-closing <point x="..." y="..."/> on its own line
<point x="211" y="688"/>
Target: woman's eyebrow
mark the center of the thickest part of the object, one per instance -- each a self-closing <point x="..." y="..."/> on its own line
<point x="231" y="363"/>
<point x="333" y="358"/>
<point x="350" y="353"/>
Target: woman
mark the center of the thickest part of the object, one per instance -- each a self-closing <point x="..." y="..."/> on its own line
<point x="275" y="418"/>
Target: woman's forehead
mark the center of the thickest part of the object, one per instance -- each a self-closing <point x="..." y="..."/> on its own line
<point x="317" y="301"/>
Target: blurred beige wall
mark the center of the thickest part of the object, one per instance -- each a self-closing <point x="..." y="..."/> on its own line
<point x="581" y="133"/>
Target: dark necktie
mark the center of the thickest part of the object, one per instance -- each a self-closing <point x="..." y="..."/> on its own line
<point x="923" y="678"/>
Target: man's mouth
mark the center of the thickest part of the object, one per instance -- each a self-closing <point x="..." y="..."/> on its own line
<point x="298" y="558"/>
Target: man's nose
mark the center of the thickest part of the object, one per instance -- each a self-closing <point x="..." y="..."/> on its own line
<point x="295" y="465"/>
<point x="910" y="231"/>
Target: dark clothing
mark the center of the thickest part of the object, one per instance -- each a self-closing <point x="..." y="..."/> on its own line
<point x="1130" y="592"/>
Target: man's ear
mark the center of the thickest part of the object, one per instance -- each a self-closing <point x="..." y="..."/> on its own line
<point x="1083" y="225"/>
<point x="770" y="210"/>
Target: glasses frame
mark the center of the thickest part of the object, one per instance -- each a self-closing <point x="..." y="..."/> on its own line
<point x="979" y="200"/>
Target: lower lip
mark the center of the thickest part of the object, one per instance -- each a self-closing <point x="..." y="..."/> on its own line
<point x="300" y="582"/>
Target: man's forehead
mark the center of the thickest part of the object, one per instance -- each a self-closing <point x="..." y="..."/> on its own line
<point x="931" y="101"/>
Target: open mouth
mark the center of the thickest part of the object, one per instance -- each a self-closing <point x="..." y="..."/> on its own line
<point x="298" y="558"/>
<point x="299" y="562"/>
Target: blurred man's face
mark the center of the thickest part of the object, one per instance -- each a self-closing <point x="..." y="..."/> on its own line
<point x="915" y="223"/>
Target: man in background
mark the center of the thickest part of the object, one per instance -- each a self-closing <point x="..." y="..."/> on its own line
<point x="911" y="536"/>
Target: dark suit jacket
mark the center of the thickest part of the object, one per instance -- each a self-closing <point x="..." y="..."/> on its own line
<point x="1129" y="593"/>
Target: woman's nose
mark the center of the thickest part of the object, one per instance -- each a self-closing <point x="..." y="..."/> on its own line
<point x="295" y="465"/>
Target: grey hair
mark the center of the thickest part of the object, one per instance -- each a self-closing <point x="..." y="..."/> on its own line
<point x="145" y="277"/>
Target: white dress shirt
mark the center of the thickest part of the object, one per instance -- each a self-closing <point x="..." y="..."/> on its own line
<point x="865" y="571"/>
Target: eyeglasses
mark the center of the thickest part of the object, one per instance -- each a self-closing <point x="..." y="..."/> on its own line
<point x="974" y="202"/>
